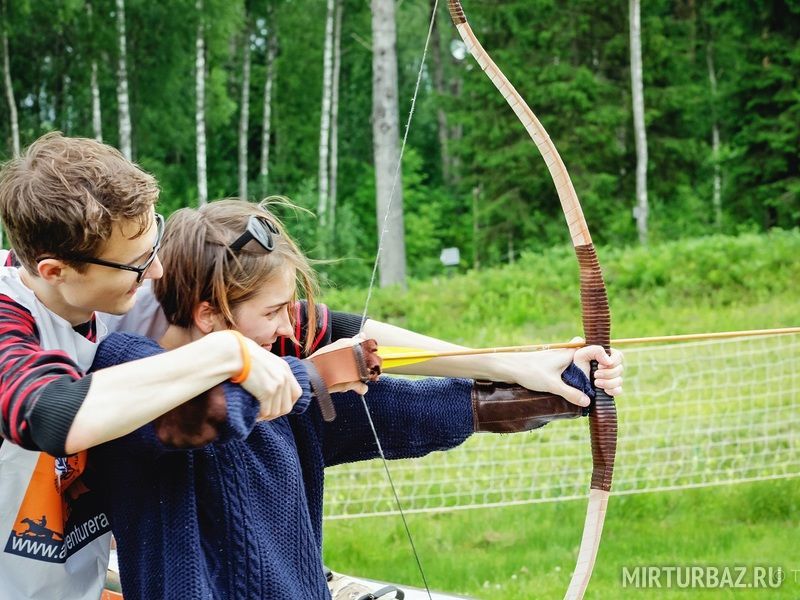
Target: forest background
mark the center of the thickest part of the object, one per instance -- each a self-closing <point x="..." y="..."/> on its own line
<point x="286" y="107"/>
<point x="721" y="108"/>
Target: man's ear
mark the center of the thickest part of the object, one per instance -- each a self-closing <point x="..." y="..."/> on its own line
<point x="51" y="270"/>
<point x="207" y="318"/>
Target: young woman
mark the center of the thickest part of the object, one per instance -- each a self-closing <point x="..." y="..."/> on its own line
<point x="241" y="517"/>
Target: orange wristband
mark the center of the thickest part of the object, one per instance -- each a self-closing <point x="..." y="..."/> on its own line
<point x="246" y="360"/>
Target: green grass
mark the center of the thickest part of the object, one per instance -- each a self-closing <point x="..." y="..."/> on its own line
<point x="528" y="551"/>
<point x="708" y="284"/>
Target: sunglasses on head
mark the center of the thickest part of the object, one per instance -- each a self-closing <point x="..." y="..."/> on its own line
<point x="259" y="230"/>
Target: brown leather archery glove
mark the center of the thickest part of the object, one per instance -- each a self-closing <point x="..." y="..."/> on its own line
<point x="194" y="423"/>
<point x="359" y="362"/>
<point x="508" y="408"/>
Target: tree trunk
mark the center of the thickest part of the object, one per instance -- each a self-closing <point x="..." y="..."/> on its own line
<point x="66" y="104"/>
<point x="385" y="134"/>
<point x="97" y="115"/>
<point x="640" y="136"/>
<point x="200" y="105"/>
<point x="456" y="134"/>
<point x="244" y="116"/>
<point x="476" y="258"/>
<point x="716" y="199"/>
<point x="272" y="47"/>
<point x="325" y="114"/>
<point x="334" y="162"/>
<point x="12" y="104"/>
<point x="122" y="86"/>
<point x="692" y="9"/>
<point x="438" y="86"/>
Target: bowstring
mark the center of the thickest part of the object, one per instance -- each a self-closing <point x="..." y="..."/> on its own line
<point x="381" y="236"/>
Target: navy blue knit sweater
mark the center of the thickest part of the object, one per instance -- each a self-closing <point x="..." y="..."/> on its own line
<point x="242" y="518"/>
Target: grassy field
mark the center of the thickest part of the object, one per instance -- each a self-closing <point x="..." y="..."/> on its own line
<point x="528" y="551"/>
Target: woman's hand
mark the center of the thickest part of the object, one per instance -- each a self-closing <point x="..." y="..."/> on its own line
<point x="541" y="371"/>
<point x="609" y="367"/>
<point x="355" y="386"/>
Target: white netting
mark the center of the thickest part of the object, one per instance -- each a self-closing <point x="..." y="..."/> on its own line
<point x="693" y="415"/>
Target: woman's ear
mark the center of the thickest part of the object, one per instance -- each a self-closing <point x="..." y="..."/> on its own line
<point x="206" y="318"/>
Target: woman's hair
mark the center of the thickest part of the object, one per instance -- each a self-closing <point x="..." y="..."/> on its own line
<point x="200" y="266"/>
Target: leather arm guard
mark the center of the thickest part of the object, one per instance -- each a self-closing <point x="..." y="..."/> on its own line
<point x="508" y="408"/>
<point x="353" y="363"/>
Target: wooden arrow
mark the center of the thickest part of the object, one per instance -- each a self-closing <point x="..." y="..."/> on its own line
<point x="398" y="356"/>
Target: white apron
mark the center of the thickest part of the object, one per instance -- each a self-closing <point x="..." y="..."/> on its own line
<point x="54" y="539"/>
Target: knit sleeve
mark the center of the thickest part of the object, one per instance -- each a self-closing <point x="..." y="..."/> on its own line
<point x="344" y="325"/>
<point x="242" y="408"/>
<point x="411" y="417"/>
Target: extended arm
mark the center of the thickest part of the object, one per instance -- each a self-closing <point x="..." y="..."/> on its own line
<point x="412" y="418"/>
<point x="540" y="371"/>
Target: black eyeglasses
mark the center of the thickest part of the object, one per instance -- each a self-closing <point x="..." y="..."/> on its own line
<point x="259" y="229"/>
<point x="140" y="270"/>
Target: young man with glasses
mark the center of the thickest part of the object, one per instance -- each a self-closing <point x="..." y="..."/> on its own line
<point x="81" y="221"/>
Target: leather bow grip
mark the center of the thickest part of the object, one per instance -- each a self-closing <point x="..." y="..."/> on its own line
<point x="359" y="362"/>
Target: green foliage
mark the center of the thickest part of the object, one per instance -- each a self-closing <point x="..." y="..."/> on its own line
<point x="569" y="60"/>
<point x="652" y="290"/>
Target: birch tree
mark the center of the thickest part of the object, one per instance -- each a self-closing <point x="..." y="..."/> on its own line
<point x="200" y="105"/>
<point x="716" y="198"/>
<point x="334" y="162"/>
<point x="12" y="104"/>
<point x="266" y="128"/>
<point x="325" y="115"/>
<point x="244" y="115"/>
<point x="97" y="115"/>
<point x="385" y="136"/>
<point x="438" y="86"/>
<point x="640" y="135"/>
<point x="122" y="85"/>
<point x="66" y="104"/>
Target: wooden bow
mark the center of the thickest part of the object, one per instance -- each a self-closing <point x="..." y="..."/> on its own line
<point x="594" y="303"/>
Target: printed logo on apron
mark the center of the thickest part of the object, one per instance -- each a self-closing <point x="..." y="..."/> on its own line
<point x="57" y="517"/>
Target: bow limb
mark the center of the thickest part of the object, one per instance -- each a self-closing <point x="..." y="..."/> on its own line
<point x="594" y="304"/>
